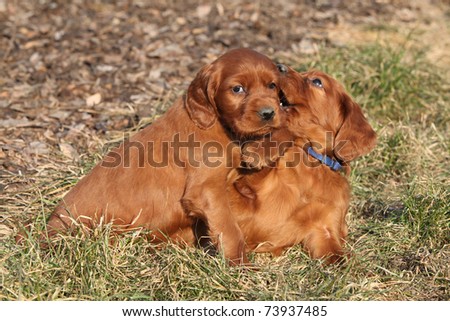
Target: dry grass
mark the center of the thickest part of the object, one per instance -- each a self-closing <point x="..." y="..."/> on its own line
<point x="399" y="218"/>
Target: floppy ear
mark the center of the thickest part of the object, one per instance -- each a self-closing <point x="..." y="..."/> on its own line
<point x="355" y="137"/>
<point x="200" y="103"/>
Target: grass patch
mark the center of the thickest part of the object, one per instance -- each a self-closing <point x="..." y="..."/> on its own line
<point x="399" y="217"/>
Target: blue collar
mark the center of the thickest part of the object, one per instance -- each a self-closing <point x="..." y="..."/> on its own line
<point x="324" y="159"/>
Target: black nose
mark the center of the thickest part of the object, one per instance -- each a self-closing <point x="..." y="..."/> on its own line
<point x="266" y="113"/>
<point x="282" y="68"/>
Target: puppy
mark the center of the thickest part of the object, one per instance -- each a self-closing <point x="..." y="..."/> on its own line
<point x="305" y="197"/>
<point x="171" y="176"/>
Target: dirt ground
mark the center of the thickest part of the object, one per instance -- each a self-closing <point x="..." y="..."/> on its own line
<point x="73" y="72"/>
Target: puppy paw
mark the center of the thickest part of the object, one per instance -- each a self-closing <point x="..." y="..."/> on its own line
<point x="259" y="154"/>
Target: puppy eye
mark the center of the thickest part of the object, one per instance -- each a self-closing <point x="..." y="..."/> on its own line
<point x="272" y="85"/>
<point x="317" y="82"/>
<point x="238" y="89"/>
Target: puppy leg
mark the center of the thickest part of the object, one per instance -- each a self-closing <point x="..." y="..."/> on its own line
<point x="57" y="224"/>
<point x="222" y="230"/>
<point x="205" y="201"/>
<point x="324" y="243"/>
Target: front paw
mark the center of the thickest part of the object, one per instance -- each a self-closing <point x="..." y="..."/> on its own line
<point x="252" y="155"/>
<point x="259" y="154"/>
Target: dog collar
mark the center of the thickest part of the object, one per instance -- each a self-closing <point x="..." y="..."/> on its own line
<point x="324" y="159"/>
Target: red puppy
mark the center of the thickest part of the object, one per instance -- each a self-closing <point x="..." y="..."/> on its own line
<point x="305" y="198"/>
<point x="172" y="175"/>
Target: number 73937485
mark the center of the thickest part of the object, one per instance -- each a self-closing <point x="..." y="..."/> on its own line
<point x="295" y="310"/>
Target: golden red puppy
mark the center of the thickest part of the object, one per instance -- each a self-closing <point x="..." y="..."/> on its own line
<point x="171" y="176"/>
<point x="305" y="198"/>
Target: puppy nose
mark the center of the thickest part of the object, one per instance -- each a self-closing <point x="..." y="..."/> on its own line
<point x="266" y="113"/>
<point x="282" y="68"/>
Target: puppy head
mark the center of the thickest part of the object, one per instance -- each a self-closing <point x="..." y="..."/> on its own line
<point x="320" y="111"/>
<point x="240" y="89"/>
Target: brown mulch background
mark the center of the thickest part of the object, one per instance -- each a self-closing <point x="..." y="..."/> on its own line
<point x="72" y="72"/>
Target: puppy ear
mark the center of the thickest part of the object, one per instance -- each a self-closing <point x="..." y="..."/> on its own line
<point x="200" y="103"/>
<point x="355" y="137"/>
